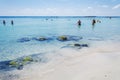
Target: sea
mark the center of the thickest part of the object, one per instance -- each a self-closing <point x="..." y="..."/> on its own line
<point x="21" y="39"/>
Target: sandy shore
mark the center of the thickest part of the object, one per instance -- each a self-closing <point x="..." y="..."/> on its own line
<point x="101" y="61"/>
<point x="95" y="63"/>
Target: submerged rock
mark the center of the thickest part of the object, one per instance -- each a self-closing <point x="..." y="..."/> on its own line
<point x="16" y="64"/>
<point x="68" y="38"/>
<point x="76" y="45"/>
<point x="82" y="45"/>
<point x="19" y="63"/>
<point x="59" y="38"/>
<point x="13" y="63"/>
<point x="62" y="38"/>
<point x="4" y="65"/>
<point x="25" y="39"/>
<point x="27" y="58"/>
<point x="20" y="67"/>
<point x="42" y="38"/>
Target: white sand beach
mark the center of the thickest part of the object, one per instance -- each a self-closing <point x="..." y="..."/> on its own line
<point x="95" y="63"/>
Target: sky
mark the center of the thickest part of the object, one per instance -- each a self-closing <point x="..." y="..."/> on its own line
<point x="59" y="7"/>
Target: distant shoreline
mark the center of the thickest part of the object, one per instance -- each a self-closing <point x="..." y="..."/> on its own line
<point x="59" y="16"/>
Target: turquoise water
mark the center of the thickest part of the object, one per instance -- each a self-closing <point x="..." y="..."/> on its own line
<point x="10" y="48"/>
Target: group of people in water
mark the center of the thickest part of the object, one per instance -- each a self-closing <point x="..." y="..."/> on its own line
<point x="4" y="22"/>
<point x="78" y="23"/>
<point x="93" y="22"/>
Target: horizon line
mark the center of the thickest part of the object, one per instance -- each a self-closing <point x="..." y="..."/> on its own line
<point x="57" y="16"/>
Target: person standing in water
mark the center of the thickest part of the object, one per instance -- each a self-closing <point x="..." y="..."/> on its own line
<point x="79" y="23"/>
<point x="12" y="23"/>
<point x="93" y="22"/>
<point x="4" y="23"/>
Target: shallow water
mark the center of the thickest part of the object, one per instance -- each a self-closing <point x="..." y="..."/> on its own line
<point x="35" y="27"/>
<point x="105" y="34"/>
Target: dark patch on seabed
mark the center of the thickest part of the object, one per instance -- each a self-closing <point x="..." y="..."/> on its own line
<point x="19" y="63"/>
<point x="61" y="38"/>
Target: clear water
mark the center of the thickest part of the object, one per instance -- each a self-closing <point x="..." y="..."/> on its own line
<point x="108" y="29"/>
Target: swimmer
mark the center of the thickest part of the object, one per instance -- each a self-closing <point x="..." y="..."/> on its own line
<point x="79" y="22"/>
<point x="4" y="22"/>
<point x="93" y="22"/>
<point x="12" y="23"/>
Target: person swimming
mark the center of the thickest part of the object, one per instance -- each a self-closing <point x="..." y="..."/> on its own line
<point x="79" y="22"/>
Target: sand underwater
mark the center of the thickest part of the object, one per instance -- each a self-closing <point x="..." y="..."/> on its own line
<point x="78" y="53"/>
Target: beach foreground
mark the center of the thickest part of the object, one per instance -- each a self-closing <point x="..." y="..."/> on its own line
<point x="94" y="63"/>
